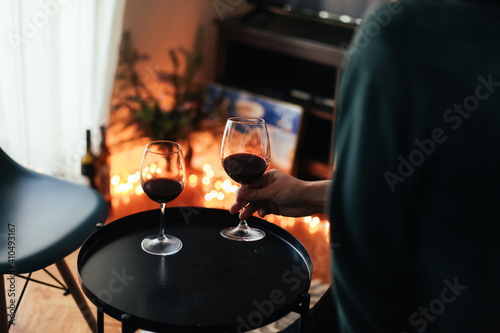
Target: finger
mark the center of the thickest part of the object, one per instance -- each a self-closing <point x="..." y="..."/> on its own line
<point x="253" y="195"/>
<point x="238" y="200"/>
<point x="235" y="208"/>
<point x="238" y="205"/>
<point x="248" y="211"/>
<point x="265" y="209"/>
<point x="263" y="212"/>
<point x="239" y="194"/>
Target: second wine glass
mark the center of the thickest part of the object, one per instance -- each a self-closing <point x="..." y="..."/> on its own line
<point x="245" y="155"/>
<point x="163" y="176"/>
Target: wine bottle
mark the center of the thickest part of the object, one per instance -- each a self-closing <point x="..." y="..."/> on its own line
<point x="102" y="177"/>
<point x="88" y="161"/>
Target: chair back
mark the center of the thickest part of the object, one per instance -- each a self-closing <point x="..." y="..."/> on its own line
<point x="9" y="167"/>
<point x="50" y="217"/>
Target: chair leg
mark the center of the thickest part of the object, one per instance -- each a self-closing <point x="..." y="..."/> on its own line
<point x="77" y="294"/>
<point x="4" y="322"/>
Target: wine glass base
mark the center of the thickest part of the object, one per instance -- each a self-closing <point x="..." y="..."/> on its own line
<point x="161" y="247"/>
<point x="243" y="234"/>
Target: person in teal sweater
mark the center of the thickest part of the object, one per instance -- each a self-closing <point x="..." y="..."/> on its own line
<point x="414" y="201"/>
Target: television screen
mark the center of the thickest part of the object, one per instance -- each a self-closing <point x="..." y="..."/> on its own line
<point x="347" y="11"/>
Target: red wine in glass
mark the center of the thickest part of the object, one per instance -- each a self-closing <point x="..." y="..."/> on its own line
<point x="244" y="168"/>
<point x="162" y="189"/>
<point x="163" y="175"/>
<point x="245" y="154"/>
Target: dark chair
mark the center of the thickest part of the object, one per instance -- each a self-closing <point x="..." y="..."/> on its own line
<point x="42" y="220"/>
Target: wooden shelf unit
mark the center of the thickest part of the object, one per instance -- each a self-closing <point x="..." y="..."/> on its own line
<point x="292" y="58"/>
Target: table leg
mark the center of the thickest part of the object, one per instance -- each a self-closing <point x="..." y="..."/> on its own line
<point x="304" y="312"/>
<point x="127" y="326"/>
<point x="100" y="320"/>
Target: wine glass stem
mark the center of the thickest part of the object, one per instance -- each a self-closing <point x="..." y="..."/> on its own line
<point x="243" y="225"/>
<point x="162" y="222"/>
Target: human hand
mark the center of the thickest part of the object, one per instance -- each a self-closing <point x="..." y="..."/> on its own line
<point x="279" y="193"/>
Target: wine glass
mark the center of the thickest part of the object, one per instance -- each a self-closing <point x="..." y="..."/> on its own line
<point x="163" y="176"/>
<point x="245" y="155"/>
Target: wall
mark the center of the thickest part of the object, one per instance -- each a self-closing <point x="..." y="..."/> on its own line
<point x="158" y="25"/>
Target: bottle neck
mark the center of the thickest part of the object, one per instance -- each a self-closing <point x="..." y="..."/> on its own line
<point x="89" y="142"/>
<point x="103" y="147"/>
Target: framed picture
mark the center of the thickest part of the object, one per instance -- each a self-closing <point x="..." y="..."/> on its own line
<point x="283" y="119"/>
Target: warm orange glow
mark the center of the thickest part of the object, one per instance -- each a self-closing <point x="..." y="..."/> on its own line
<point x="128" y="183"/>
<point x="209" y="178"/>
<point x="139" y="190"/>
<point x="286" y="221"/>
<point x="218" y="189"/>
<point x="314" y="223"/>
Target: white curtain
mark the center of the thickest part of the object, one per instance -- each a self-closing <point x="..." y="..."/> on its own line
<point x="57" y="65"/>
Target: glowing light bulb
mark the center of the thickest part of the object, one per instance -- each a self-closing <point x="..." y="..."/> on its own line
<point x="314" y="222"/>
<point x="115" y="180"/>
<point x="193" y="178"/>
<point x="227" y="186"/>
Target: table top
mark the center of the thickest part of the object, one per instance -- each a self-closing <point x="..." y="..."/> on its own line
<point x="211" y="284"/>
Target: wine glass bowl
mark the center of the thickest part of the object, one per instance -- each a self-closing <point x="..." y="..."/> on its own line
<point x="163" y="176"/>
<point x="245" y="154"/>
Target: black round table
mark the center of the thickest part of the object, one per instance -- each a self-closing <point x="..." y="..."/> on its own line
<point x="211" y="285"/>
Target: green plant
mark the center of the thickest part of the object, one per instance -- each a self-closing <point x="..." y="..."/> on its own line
<point x="185" y="113"/>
